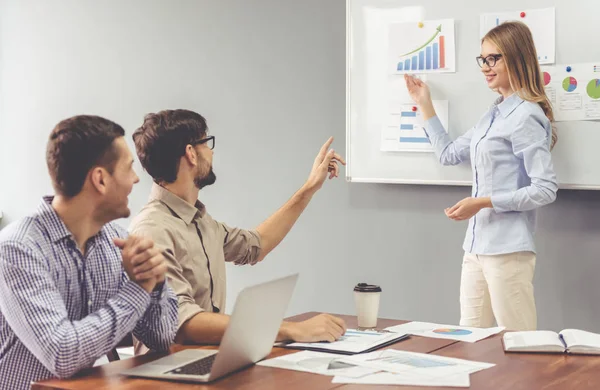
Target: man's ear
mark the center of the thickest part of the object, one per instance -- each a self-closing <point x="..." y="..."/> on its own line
<point x="98" y="179"/>
<point x="190" y="155"/>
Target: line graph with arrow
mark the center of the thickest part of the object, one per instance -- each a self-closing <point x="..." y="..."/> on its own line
<point x="438" y="30"/>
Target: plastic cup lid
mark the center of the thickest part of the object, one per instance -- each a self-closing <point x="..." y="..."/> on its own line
<point x="365" y="287"/>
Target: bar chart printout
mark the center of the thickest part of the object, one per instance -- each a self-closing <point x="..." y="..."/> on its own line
<point x="404" y="130"/>
<point x="426" y="47"/>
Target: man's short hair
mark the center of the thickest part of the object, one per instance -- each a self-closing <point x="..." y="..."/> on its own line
<point x="161" y="141"/>
<point x="75" y="146"/>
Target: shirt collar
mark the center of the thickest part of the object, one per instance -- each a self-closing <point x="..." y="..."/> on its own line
<point x="57" y="230"/>
<point x="508" y="105"/>
<point x="183" y="209"/>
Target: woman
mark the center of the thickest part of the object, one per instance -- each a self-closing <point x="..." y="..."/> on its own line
<point x="509" y="150"/>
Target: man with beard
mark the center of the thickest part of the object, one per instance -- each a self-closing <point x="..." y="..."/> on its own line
<point x="175" y="149"/>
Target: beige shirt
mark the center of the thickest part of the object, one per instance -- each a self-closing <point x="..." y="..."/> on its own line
<point x="196" y="248"/>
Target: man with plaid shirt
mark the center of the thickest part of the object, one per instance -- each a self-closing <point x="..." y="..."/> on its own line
<point x="73" y="284"/>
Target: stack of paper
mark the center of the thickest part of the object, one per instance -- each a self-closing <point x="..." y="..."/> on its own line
<point x="383" y="367"/>
<point x="413" y="369"/>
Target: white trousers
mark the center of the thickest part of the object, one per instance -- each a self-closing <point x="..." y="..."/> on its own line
<point x="498" y="286"/>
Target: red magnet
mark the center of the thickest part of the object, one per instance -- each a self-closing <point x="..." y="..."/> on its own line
<point x="414" y="108"/>
<point x="523" y="14"/>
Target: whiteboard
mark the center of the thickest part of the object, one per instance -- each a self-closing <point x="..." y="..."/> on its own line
<point x="576" y="158"/>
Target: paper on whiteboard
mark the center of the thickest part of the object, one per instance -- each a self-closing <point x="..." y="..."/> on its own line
<point x="404" y="131"/>
<point x="422" y="47"/>
<point x="541" y="22"/>
<point x="575" y="95"/>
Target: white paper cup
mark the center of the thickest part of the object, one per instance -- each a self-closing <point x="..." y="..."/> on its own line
<point x="366" y="298"/>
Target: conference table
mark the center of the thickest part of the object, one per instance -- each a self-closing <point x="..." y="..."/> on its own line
<point x="513" y="371"/>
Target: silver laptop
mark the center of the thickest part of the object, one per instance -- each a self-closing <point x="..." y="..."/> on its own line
<point x="252" y="330"/>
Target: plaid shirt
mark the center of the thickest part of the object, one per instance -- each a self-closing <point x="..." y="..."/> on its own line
<point x="61" y="310"/>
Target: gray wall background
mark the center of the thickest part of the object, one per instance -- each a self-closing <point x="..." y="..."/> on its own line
<point x="269" y="77"/>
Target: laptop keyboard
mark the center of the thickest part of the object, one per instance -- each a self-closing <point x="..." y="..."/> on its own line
<point x="199" y="367"/>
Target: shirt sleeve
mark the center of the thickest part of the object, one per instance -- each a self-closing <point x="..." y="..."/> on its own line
<point x="448" y="152"/>
<point x="158" y="327"/>
<point x="241" y="246"/>
<point x="35" y="310"/>
<point x="531" y="143"/>
<point x="182" y="289"/>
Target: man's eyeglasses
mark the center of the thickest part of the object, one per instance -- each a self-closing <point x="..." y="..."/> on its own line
<point x="488" y="60"/>
<point x="209" y="141"/>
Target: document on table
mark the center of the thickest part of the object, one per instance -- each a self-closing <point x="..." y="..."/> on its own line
<point x="440" y="331"/>
<point x="410" y="368"/>
<point x="352" y="342"/>
<point x="406" y="379"/>
<point x="318" y="363"/>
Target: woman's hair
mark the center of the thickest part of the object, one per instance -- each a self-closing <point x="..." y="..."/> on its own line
<point x="515" y="43"/>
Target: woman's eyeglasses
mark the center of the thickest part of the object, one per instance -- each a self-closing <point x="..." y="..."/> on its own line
<point x="209" y="141"/>
<point x="488" y="60"/>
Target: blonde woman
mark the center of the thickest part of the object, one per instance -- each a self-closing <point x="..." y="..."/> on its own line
<point x="509" y="150"/>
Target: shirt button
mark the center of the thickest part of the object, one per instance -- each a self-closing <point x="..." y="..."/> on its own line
<point x="90" y="303"/>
